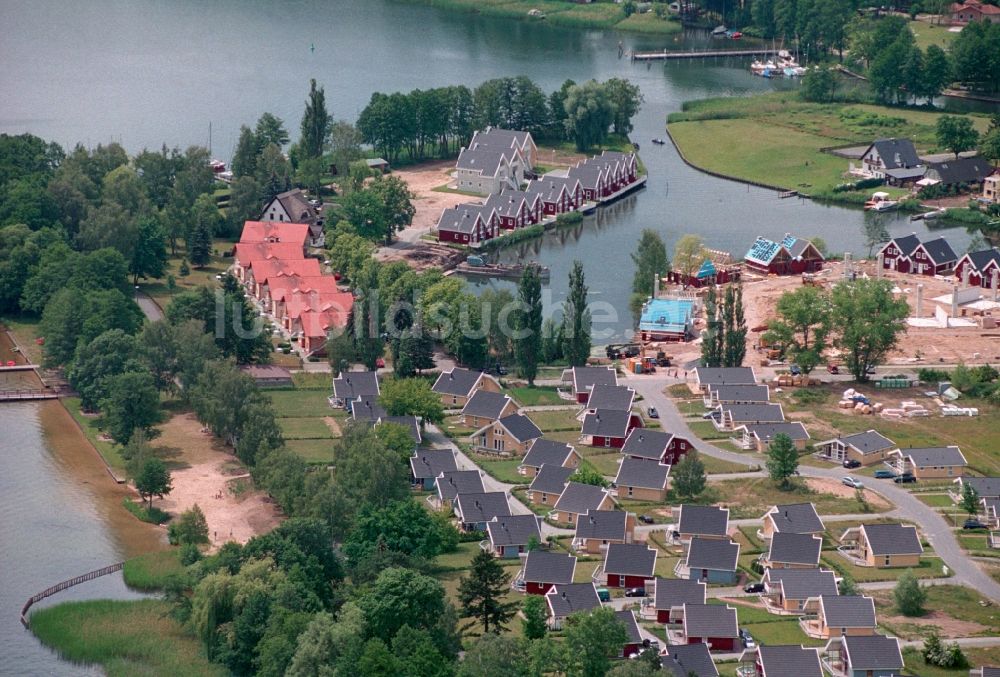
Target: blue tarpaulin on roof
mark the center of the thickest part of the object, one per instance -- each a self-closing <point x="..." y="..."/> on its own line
<point x="666" y="315"/>
<point x="763" y="250"/>
<point x="706" y="270"/>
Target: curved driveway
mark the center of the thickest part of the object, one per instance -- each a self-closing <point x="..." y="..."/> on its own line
<point x="932" y="525"/>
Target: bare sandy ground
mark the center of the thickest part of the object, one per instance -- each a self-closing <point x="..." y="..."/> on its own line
<point x="422" y="180"/>
<point x="834" y="487"/>
<point x="207" y="474"/>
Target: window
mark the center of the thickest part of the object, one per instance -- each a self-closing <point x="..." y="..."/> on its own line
<point x="630" y="492"/>
<point x="454" y="399"/>
<point x="607" y="441"/>
<point x="888" y="560"/>
<point x="545" y="498"/>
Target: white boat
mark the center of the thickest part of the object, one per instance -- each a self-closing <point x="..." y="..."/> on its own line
<point x="881" y="202"/>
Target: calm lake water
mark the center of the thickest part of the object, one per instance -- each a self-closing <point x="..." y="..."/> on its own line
<point x="147" y="72"/>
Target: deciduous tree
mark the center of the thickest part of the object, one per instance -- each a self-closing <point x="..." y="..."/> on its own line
<point x="956" y="133"/>
<point x="535" y="612"/>
<point x="868" y="322"/>
<point x="592" y="639"/>
<point x="970" y="499"/>
<point x="688" y="476"/>
<point x="909" y="596"/>
<point x="650" y="259"/>
<point x="802" y="326"/>
<point x="411" y="397"/>
<point x="589" y="114"/>
<point x="527" y="343"/>
<point x="153" y="480"/>
<point x="132" y="403"/>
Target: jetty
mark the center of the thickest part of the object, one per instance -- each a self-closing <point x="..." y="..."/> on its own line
<point x="498" y="270"/>
<point x="27" y="394"/>
<point x="48" y="592"/>
<point x="667" y="55"/>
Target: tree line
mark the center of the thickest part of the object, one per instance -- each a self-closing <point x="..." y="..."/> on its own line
<point x="437" y="122"/>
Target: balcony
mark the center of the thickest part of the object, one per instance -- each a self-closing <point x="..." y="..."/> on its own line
<point x="812" y="626"/>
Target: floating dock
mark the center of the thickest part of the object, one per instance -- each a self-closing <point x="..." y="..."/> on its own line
<point x="498" y="270"/>
<point x="667" y="55"/>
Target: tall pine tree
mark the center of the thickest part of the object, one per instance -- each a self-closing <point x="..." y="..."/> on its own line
<point x="482" y="593"/>
<point x="576" y="319"/>
<point x="528" y="343"/>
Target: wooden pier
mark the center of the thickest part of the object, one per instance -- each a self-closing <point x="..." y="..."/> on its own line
<point x="25" y="394"/>
<point x="701" y="54"/>
<point x="498" y="270"/>
<point x="19" y="367"/>
<point x="48" y="592"/>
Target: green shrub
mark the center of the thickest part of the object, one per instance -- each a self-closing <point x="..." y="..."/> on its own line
<point x="190" y="554"/>
<point x="152" y="515"/>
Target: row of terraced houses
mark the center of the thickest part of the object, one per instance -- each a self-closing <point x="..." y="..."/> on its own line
<point x="499" y="162"/>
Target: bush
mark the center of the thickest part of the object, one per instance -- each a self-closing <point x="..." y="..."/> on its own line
<point x="191" y="528"/>
<point x="190" y="554"/>
<point x="151" y="515"/>
<point x="936" y="653"/>
<point x="909" y="596"/>
<point x="569" y="219"/>
<point x="928" y="375"/>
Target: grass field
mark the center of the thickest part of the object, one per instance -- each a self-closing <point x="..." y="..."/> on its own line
<point x="936" y="500"/>
<point x="752" y="497"/>
<point x="915" y="663"/>
<point x="304" y="428"/>
<point x="957" y="601"/>
<point x="926" y="34"/>
<point x="312" y="451"/>
<point x="150" y="571"/>
<point x="504" y="470"/>
<point x="776" y="138"/>
<point x="300" y="403"/>
<point x="717" y="465"/>
<point x="930" y="567"/>
<point x="124" y="638"/>
<point x="706" y="430"/>
<point x="556" y="420"/>
<point x="109" y="451"/>
<point x="537" y="396"/>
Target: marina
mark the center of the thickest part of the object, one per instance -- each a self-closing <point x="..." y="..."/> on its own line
<point x="669" y="55"/>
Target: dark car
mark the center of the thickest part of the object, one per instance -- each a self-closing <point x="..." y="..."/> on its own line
<point x="796" y="370"/>
<point x="852" y="463"/>
<point x="883" y="474"/>
<point x="973" y="524"/>
<point x="653" y="413"/>
<point x="500" y="370"/>
<point x="646" y="519"/>
<point x="635" y="592"/>
<point x="753" y="587"/>
<point x="905" y="478"/>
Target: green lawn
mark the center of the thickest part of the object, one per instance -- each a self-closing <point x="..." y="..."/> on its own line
<point x="715" y="466"/>
<point x="606" y="464"/>
<point x="556" y="420"/>
<point x="108" y="450"/>
<point x="312" y="451"/>
<point x="930" y="567"/>
<point x="956" y="601"/>
<point x="936" y="500"/>
<point x="537" y="396"/>
<point x="312" y="379"/>
<point x="504" y="470"/>
<point x="460" y="559"/>
<point x="977" y="657"/>
<point x="300" y="403"/>
<point x="304" y="428"/>
<point x="150" y="571"/>
<point x="691" y="408"/>
<point x="706" y="430"/>
<point x="569" y="437"/>
<point x="926" y="34"/>
<point x="779" y="632"/>
<point x="124" y="638"/>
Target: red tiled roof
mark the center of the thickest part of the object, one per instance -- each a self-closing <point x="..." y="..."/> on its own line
<point x="286" y="287"/>
<point x="266" y="269"/>
<point x="247" y="252"/>
<point x="299" y="305"/>
<point x="274" y="231"/>
<point x="316" y="325"/>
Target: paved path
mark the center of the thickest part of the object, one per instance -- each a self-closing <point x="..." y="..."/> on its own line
<point x="148" y="306"/>
<point x="932" y="525"/>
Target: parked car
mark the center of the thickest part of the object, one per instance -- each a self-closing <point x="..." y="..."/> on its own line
<point x="603" y="595"/>
<point x="646" y="519"/>
<point x="796" y="370"/>
<point x="500" y="370"/>
<point x="380" y="363"/>
<point x="852" y="482"/>
<point x="753" y="587"/>
<point x="884" y="474"/>
<point x="653" y="413"/>
<point x="747" y="639"/>
<point x="973" y="523"/>
<point x="905" y="478"/>
<point x="852" y="463"/>
<point x="635" y="592"/>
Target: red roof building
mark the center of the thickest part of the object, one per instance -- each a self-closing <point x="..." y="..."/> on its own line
<point x="973" y="10"/>
<point x="274" y="231"/>
<point x="316" y="327"/>
<point x="262" y="273"/>
<point x="246" y="253"/>
<point x="339" y="303"/>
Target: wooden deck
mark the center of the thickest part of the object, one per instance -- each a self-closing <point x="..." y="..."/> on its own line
<point x="48" y="592"/>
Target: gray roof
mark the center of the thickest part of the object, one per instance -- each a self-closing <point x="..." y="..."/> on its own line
<point x="627" y="617"/>
<point x="482" y="506"/>
<point x="520" y="427"/>
<point x="903" y="173"/>
<point x="647" y="443"/>
<point x="589" y="174"/>
<point x="803" y="583"/>
<point x="935" y="456"/>
<point x="710" y="620"/>
<point x="707" y="520"/>
<point x="458" y="381"/>
<point x="492" y="137"/>
<point x="606" y="423"/>
<point x="295" y="203"/>
<point x="409" y="422"/>
<point x="767" y="431"/>
<point x="507" y="203"/>
<point x="725" y="376"/>
<point x="671" y="592"/>
<point x="906" y="243"/>
<point x="986" y="487"/>
<point x="753" y="413"/>
<point x="485" y="404"/>
<point x="603" y="525"/>
<point x="585" y="377"/>
<point x="635" y="559"/>
<point x="571" y="598"/>
<point x="868" y="442"/>
<point x="940" y="251"/>
<point x="740" y="393"/>
<point x="367" y="409"/>
<point x="790" y="661"/>
<point x="981" y="259"/>
<point x="432" y="462"/>
<point x="350" y="385"/>
<point x="513" y="529"/>
<point x="892" y="539"/>
<point x="460" y="219"/>
<point x="483" y="159"/>
<point x="643" y="473"/>
<point x="579" y="498"/>
<point x="451" y="484"/>
<point x="542" y="566"/>
<point x="789" y="548"/>
<point x="685" y="660"/>
<point x="873" y="652"/>
<point x="848" y="611"/>
<point x="611" y="397"/>
<point x="896" y="153"/>
<point x="546" y="452"/>
<point x="962" y="170"/>
<point x="712" y="553"/>
<point x="796" y="518"/>
<point x="551" y="479"/>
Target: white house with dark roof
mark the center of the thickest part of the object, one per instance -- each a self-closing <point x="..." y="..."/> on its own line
<point x="792" y="518"/>
<point x="610" y="397"/>
<point x="571" y="598"/>
<point x="787" y="590"/>
<point x="548" y="485"/>
<point x="366" y="409"/>
<point x="547" y="452"/>
<point x="474" y="510"/>
<point x="641" y="479"/>
<point x="733" y="416"/>
<point x="780" y="660"/>
<point x="885" y="154"/>
<point x="451" y="483"/>
<point x="884" y="546"/>
<point x="656" y="445"/>
<point x="866" y="448"/>
<point x="544" y="569"/>
<point x="710" y="560"/>
<point x="486" y="407"/>
<point x="671" y="594"/>
<point x="596" y="530"/>
<point x="792" y="551"/>
<point x="759" y="436"/>
<point x="428" y="464"/>
<point x="628" y="565"/>
<point x="929" y="463"/>
<point x="509" y="536"/>
<point x="583" y="380"/>
<point x="839" y="615"/>
<point x="577" y="499"/>
<point x="293" y="206"/>
<point x="495" y="138"/>
<point x="485" y="169"/>
<point x="458" y="385"/>
<point x="863" y="656"/>
<point x="704" y="521"/>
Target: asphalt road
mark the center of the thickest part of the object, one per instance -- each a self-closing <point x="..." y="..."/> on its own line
<point x="932" y="525"/>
